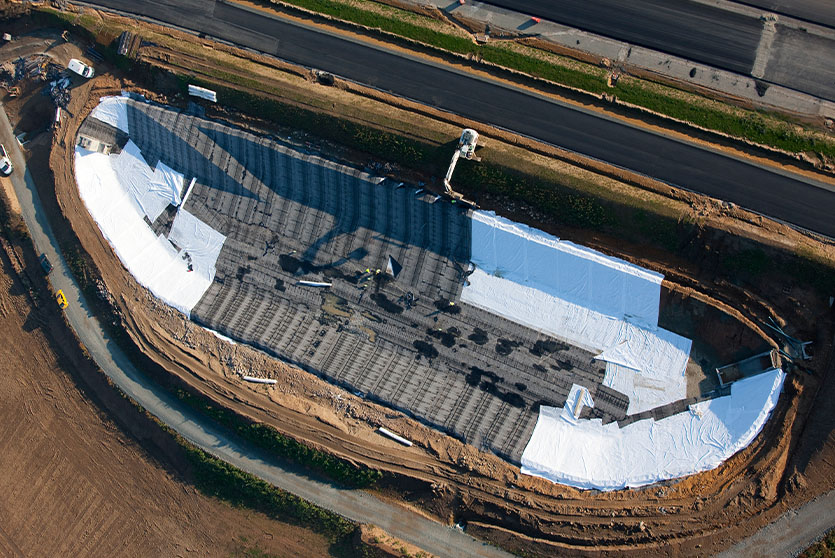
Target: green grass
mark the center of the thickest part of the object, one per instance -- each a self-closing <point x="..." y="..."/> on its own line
<point x="395" y="24"/>
<point x="753" y="126"/>
<point x="269" y="439"/>
<point x="217" y="478"/>
<point x="822" y="549"/>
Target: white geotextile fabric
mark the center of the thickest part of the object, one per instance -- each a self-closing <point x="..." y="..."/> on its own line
<point x="588" y="454"/>
<point x="111" y="200"/>
<point x="591" y="300"/>
<point x="113" y="111"/>
<point x="153" y="189"/>
<point x="578" y="398"/>
<point x="198" y="242"/>
<point x="644" y="392"/>
<point x="576" y="274"/>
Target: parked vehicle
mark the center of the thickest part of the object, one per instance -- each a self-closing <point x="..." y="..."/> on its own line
<point x="81" y="68"/>
<point x="45" y="264"/>
<point x="6" y="166"/>
<point x="61" y="300"/>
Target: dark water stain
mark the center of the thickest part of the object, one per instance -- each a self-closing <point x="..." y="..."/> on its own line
<point x="381" y="280"/>
<point x="426" y="349"/>
<point x="476" y="373"/>
<point x="294" y="265"/>
<point x="447" y="338"/>
<point x="508" y="397"/>
<point x="242" y="271"/>
<point x="489" y="382"/>
<point x="279" y="285"/>
<point x="387" y="305"/>
<point x="478" y="336"/>
<point x="540" y="368"/>
<point x="334" y="273"/>
<point x="505" y="346"/>
<point x="565" y="365"/>
<point x="520" y="386"/>
<point x="547" y="346"/>
<point x="298" y="266"/>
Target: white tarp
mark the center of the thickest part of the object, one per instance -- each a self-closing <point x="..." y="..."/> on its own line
<point x="198" y="243"/>
<point x="113" y="111"/>
<point x="578" y="398"/>
<point x="588" y="454"/>
<point x="591" y="300"/>
<point x="202" y="92"/>
<point x="153" y="189"/>
<point x="576" y="274"/>
<point x="118" y="193"/>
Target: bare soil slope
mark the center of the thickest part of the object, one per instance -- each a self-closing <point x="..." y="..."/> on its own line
<point x="455" y="482"/>
<point x="75" y="485"/>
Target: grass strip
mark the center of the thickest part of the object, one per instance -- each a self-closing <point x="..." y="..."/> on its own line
<point x="218" y="478"/>
<point x="268" y="438"/>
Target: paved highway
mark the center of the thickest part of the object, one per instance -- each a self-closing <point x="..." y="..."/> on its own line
<point x="763" y="190"/>
<point x="354" y="504"/>
<point x="787" y="54"/>
<point x="821" y="12"/>
<point x="691" y="30"/>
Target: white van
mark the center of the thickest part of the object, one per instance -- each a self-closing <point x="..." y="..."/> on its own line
<point x="6" y="166"/>
<point x="80" y="68"/>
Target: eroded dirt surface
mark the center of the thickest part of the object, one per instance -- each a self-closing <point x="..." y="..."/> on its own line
<point x="74" y="483"/>
<point x="786" y="465"/>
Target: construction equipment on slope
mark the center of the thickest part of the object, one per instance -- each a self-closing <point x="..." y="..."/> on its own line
<point x="466" y="148"/>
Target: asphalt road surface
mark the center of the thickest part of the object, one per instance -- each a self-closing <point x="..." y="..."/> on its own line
<point x="763" y="190"/>
<point x="821" y="12"/>
<point x="691" y="30"/>
<point x="357" y="505"/>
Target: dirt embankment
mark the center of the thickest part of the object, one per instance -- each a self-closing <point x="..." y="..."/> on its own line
<point x="446" y="478"/>
<point x="455" y="482"/>
<point x="75" y="483"/>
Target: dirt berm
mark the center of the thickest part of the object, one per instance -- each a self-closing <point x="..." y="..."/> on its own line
<point x="787" y="464"/>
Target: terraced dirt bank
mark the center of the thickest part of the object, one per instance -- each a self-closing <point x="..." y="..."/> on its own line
<point x="128" y="484"/>
<point x="452" y="480"/>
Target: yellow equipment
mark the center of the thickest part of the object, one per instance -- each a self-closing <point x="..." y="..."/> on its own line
<point x="61" y="299"/>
